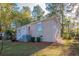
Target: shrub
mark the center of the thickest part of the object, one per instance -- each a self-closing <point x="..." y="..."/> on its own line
<point x="77" y="36"/>
<point x="33" y="39"/>
<point x="38" y="39"/>
<point x="10" y="35"/>
<point x="65" y="35"/>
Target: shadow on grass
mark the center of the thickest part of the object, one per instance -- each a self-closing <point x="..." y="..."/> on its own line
<point x="22" y="49"/>
<point x="39" y="49"/>
<point x="73" y="49"/>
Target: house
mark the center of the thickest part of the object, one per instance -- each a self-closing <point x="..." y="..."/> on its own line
<point x="48" y="28"/>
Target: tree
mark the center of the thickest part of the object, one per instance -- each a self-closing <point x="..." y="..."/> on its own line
<point x="62" y="19"/>
<point x="53" y="8"/>
<point x="9" y="14"/>
<point x="6" y="15"/>
<point x="69" y="8"/>
<point x="25" y="16"/>
<point x="37" y="12"/>
<point x="65" y="9"/>
<point x="5" y="12"/>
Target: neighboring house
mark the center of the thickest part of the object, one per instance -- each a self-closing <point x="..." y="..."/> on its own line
<point x="48" y="28"/>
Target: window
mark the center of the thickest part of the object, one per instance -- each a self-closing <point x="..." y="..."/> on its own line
<point x="40" y="28"/>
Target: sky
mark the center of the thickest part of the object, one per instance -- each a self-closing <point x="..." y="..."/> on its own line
<point x="31" y="5"/>
<point x="72" y="14"/>
<point x="42" y="5"/>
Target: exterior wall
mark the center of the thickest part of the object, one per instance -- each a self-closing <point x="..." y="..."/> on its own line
<point x="21" y="34"/>
<point x="50" y="30"/>
<point x="34" y="30"/>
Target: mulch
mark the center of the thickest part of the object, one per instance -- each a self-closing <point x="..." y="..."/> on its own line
<point x="43" y="43"/>
<point x="40" y="43"/>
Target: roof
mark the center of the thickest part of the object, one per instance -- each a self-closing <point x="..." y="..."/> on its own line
<point x="42" y="20"/>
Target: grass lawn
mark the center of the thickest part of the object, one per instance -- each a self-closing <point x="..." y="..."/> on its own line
<point x="40" y="49"/>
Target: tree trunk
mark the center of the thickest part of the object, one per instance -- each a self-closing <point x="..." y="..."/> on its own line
<point x="62" y="14"/>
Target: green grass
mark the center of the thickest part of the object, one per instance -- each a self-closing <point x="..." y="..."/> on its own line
<point x="15" y="48"/>
<point x="70" y="47"/>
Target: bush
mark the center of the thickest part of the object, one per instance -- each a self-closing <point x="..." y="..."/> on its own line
<point x="72" y="34"/>
<point x="38" y="39"/>
<point x="77" y="36"/>
<point x="33" y="39"/>
<point x="0" y="36"/>
<point x="65" y="35"/>
<point x="69" y="34"/>
<point x="10" y="35"/>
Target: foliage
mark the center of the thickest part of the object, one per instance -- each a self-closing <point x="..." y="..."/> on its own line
<point x="24" y="21"/>
<point x="67" y="31"/>
<point x="9" y="10"/>
<point x="25" y="16"/>
<point x="38" y="39"/>
<point x="37" y="12"/>
<point x="53" y="8"/>
<point x="33" y="39"/>
<point x="6" y="10"/>
<point x="71" y="34"/>
<point x="26" y="12"/>
<point x="9" y="34"/>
